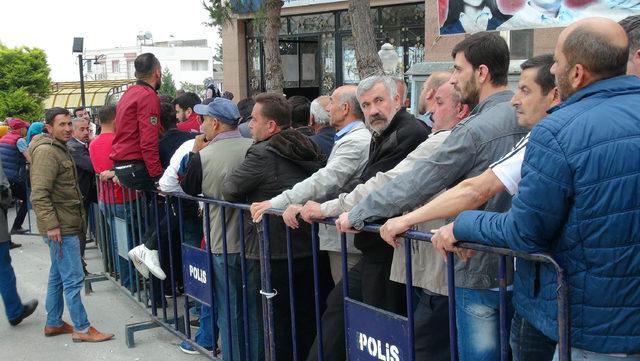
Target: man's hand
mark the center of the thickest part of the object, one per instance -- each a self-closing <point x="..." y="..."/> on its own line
<point x="107" y="175"/>
<point x="343" y="224"/>
<point x="311" y="211"/>
<point x="54" y="235"/>
<point x="290" y="215"/>
<point x="392" y="228"/>
<point x="200" y="142"/>
<point x="444" y="241"/>
<point x="258" y="209"/>
<point x="116" y="180"/>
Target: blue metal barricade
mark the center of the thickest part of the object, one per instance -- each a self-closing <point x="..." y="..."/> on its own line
<point x="370" y="333"/>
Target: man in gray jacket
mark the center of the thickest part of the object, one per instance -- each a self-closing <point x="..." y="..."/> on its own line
<point x="480" y="73"/>
<point x="344" y="167"/>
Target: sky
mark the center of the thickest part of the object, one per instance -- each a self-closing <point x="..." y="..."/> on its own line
<point x="52" y="25"/>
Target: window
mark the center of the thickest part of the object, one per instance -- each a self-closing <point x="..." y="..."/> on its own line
<point x="521" y="43"/>
<point x="115" y="66"/>
<point x="130" y="69"/>
<point x="89" y="64"/>
<point x="194" y="65"/>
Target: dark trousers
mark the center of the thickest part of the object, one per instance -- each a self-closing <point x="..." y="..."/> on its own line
<point x="19" y="191"/>
<point x="431" y="326"/>
<point x="529" y="344"/>
<point x="368" y="282"/>
<point x="304" y="305"/>
<point x="134" y="174"/>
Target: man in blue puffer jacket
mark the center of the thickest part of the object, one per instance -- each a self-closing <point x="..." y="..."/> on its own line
<point x="579" y="199"/>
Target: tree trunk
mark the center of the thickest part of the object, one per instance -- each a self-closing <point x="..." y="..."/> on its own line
<point x="273" y="63"/>
<point x="364" y="40"/>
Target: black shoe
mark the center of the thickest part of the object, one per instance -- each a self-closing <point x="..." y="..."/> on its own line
<point x="29" y="307"/>
<point x="14" y="245"/>
<point x="19" y="231"/>
<point x="195" y="322"/>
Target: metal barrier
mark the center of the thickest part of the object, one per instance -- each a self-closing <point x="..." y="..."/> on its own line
<point x="143" y="214"/>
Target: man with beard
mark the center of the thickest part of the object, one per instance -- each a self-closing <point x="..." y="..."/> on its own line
<point x="395" y="134"/>
<point x="135" y="144"/>
<point x="135" y="152"/>
<point x="481" y="64"/>
<point x="578" y="200"/>
<point x="188" y="120"/>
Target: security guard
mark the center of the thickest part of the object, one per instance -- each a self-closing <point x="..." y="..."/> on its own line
<point x="135" y="144"/>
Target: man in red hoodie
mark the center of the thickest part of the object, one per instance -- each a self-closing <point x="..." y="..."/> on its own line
<point x="188" y="120"/>
<point x="135" y="144"/>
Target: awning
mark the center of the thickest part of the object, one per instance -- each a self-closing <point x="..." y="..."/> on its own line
<point x="96" y="93"/>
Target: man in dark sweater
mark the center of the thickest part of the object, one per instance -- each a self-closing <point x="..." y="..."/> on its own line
<point x="279" y="158"/>
<point x="396" y="133"/>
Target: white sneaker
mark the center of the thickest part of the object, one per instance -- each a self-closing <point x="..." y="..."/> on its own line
<point x="151" y="260"/>
<point x="135" y="257"/>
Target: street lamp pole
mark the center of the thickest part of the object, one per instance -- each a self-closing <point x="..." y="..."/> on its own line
<point x="81" y="66"/>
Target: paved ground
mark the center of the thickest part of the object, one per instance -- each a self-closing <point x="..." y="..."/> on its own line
<point x="108" y="309"/>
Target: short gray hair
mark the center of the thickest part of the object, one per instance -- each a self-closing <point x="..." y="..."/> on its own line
<point x="349" y="97"/>
<point x="75" y="121"/>
<point x="368" y="83"/>
<point x="319" y="113"/>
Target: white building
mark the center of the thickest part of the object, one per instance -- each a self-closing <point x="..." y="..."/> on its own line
<point x="188" y="60"/>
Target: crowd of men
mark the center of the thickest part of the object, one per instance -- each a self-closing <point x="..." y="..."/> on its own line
<point x="551" y="167"/>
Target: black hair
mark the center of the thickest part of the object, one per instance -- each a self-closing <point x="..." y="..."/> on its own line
<point x="457" y="6"/>
<point x="107" y="114"/>
<point x="168" y="116"/>
<point x="595" y="52"/>
<point x="631" y="25"/>
<point x="75" y="110"/>
<point x="489" y="49"/>
<point x="187" y="100"/>
<point x="145" y="64"/>
<point x="165" y="98"/>
<point x="245" y="106"/>
<point x="50" y="114"/>
<point x="276" y="108"/>
<point x="300" y="109"/>
<point x="543" y="64"/>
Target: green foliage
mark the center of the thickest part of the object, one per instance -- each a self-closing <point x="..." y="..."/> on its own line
<point x="18" y="103"/>
<point x="192" y="88"/>
<point x="24" y="82"/>
<point x="168" y="86"/>
<point x="220" y="12"/>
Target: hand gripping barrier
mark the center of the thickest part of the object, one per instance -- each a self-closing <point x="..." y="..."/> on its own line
<point x="291" y="291"/>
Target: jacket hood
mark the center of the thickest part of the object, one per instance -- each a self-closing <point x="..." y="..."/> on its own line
<point x="297" y="148"/>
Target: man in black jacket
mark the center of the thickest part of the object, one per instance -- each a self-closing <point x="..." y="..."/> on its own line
<point x="280" y="158"/>
<point x="79" y="148"/>
<point x="396" y="133"/>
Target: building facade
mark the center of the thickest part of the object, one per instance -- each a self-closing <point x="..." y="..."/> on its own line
<point x="190" y="61"/>
<point x="317" y="47"/>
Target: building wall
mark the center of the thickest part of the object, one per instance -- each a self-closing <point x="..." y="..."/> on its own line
<point x="234" y="55"/>
<point x="169" y="57"/>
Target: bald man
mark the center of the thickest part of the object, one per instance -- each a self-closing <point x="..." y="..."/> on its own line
<point x="579" y="200"/>
<point x="427" y="100"/>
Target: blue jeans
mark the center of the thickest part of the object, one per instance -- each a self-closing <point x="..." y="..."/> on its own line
<point x="529" y="344"/>
<point x="65" y="277"/>
<point x="256" y="346"/>
<point x="109" y="211"/>
<point x="584" y="355"/>
<point x="203" y="336"/>
<point x="12" y="304"/>
<point x="478" y="322"/>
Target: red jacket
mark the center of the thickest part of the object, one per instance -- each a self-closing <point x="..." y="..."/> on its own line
<point x="192" y="124"/>
<point x="137" y="127"/>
